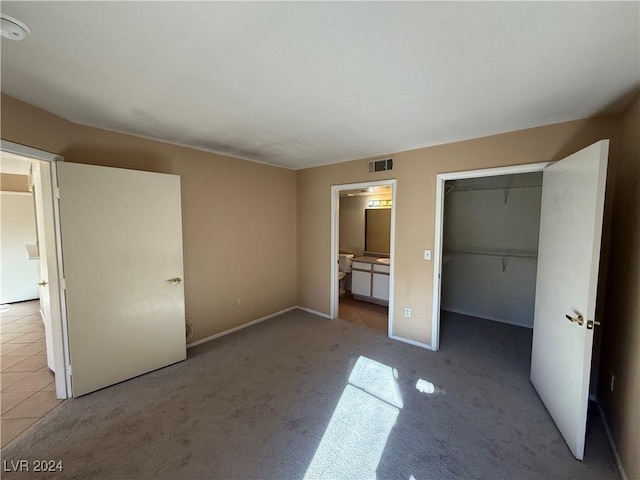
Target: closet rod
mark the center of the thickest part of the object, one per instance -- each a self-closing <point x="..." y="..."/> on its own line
<point x="527" y="256"/>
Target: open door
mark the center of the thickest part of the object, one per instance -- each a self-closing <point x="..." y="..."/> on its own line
<point x="121" y="236"/>
<point x="568" y="260"/>
<point x="44" y="228"/>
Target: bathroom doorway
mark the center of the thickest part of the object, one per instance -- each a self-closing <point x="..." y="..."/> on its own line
<point x="363" y="221"/>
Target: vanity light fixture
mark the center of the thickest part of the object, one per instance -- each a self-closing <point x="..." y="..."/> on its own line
<point x="380" y="203"/>
<point x="12" y="28"/>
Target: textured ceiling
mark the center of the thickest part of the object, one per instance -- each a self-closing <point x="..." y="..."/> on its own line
<point x="305" y="84"/>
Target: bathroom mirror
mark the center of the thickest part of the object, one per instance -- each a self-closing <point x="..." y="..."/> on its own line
<point x="377" y="231"/>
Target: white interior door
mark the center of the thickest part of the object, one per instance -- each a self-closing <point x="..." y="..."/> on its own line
<point x="568" y="259"/>
<point x="122" y="256"/>
<point x="40" y="191"/>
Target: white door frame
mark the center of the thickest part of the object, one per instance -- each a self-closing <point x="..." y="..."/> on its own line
<point x="56" y="279"/>
<point x="335" y="242"/>
<point x="441" y="178"/>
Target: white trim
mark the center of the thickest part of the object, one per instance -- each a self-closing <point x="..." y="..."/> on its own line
<point x="26" y="151"/>
<point x="441" y="178"/>
<point x="437" y="263"/>
<point x="55" y="198"/>
<point x="335" y="243"/>
<point x="411" y="342"/>
<point x="239" y="327"/>
<point x="613" y="445"/>
<point x="314" y="312"/>
<point x="492" y="172"/>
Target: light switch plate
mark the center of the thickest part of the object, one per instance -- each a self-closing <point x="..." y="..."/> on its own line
<point x="427" y="254"/>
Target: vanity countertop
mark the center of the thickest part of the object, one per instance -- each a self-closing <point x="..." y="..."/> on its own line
<point x="373" y="260"/>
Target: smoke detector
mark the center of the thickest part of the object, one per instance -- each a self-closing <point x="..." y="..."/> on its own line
<point x="12" y="28"/>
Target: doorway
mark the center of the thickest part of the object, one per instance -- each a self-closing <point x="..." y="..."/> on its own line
<point x="94" y="305"/>
<point x="363" y="231"/>
<point x="42" y="174"/>
<point x="570" y="232"/>
<point x="474" y="256"/>
<point x="491" y="227"/>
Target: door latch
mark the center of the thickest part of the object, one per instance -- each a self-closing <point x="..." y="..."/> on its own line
<point x="174" y="281"/>
<point x="591" y="323"/>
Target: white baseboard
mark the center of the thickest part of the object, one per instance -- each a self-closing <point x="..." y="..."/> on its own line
<point x="239" y="327"/>
<point x="308" y="310"/>
<point x="411" y="342"/>
<point x="493" y="319"/>
<point x="613" y="445"/>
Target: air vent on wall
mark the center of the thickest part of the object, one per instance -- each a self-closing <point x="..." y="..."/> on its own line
<point x="381" y="165"/>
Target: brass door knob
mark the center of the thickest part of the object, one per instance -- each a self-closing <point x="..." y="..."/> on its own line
<point x="42" y="283"/>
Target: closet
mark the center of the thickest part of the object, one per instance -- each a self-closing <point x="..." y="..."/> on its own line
<point x="490" y="243"/>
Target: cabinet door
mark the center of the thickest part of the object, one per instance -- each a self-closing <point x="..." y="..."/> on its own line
<point x="380" y="286"/>
<point x="361" y="283"/>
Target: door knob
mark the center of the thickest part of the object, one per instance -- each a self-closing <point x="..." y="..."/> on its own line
<point x="591" y="323"/>
<point x="579" y="320"/>
<point x="174" y="281"/>
<point x="42" y="283"/>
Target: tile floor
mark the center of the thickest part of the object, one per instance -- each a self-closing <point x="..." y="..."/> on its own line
<point x="363" y="313"/>
<point x="28" y="389"/>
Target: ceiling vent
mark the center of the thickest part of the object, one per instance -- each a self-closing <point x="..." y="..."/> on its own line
<point x="381" y="165"/>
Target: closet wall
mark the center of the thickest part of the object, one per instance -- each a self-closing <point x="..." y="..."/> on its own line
<point x="490" y="239"/>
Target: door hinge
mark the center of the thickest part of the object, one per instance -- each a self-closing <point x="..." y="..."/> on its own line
<point x="63" y="284"/>
<point x="56" y="193"/>
<point x="69" y="371"/>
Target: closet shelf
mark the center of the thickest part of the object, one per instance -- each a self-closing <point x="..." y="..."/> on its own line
<point x="499" y="254"/>
<point x="478" y="188"/>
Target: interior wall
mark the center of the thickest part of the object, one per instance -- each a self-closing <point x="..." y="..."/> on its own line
<point x="239" y="217"/>
<point x="11" y="182"/>
<point x="620" y="347"/>
<point x="351" y="222"/>
<point x="17" y="229"/>
<point x="491" y="287"/>
<point x="416" y="172"/>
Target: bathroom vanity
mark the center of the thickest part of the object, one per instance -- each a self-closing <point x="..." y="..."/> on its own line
<point x="370" y="279"/>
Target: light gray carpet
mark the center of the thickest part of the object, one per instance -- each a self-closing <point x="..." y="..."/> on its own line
<point x="255" y="404"/>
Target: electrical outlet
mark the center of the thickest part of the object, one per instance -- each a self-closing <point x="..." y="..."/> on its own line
<point x="238" y="302"/>
<point x="612" y="381"/>
<point x="407" y="312"/>
<point x="427" y="254"/>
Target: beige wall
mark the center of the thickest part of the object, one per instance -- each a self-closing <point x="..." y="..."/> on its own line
<point x="245" y="223"/>
<point x="352" y="212"/>
<point x="415" y="172"/>
<point x="11" y="182"/>
<point x="239" y="217"/>
<point x="620" y="354"/>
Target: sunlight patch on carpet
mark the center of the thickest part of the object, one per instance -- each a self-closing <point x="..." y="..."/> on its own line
<point x="354" y="440"/>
